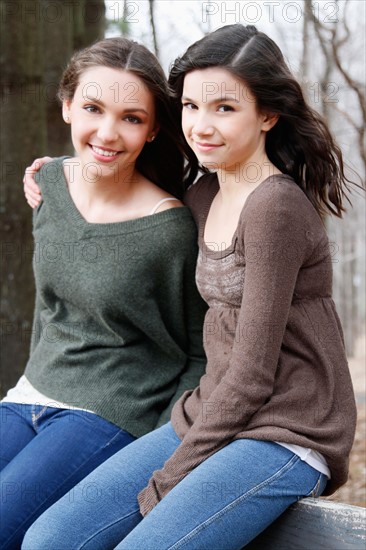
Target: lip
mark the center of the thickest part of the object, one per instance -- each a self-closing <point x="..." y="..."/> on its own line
<point x="103" y="158"/>
<point x="202" y="146"/>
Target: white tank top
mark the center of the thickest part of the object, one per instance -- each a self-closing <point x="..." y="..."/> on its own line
<point x="160" y="203"/>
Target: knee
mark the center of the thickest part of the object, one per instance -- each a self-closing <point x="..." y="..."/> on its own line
<point x="40" y="535"/>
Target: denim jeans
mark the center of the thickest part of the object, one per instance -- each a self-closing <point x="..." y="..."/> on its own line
<point x="222" y="504"/>
<point x="44" y="452"/>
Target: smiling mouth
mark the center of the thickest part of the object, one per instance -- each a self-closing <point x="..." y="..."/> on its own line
<point x="207" y="145"/>
<point x="104" y="152"/>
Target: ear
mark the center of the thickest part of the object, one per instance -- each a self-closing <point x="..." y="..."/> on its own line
<point x="154" y="133"/>
<point x="66" y="104"/>
<point x="269" y="120"/>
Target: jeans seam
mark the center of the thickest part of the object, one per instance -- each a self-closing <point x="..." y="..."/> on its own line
<point x="315" y="490"/>
<point x="36" y="417"/>
<point x="137" y="511"/>
<point x="238" y="500"/>
<point x="114" y="436"/>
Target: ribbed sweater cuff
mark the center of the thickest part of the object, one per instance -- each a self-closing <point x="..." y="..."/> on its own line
<point x="147" y="500"/>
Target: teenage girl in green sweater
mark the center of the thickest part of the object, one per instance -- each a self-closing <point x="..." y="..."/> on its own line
<point x="117" y="332"/>
<point x="273" y="418"/>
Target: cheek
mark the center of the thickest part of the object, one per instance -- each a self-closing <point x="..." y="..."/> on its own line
<point x="79" y="128"/>
<point x="186" y="123"/>
<point x="135" y="139"/>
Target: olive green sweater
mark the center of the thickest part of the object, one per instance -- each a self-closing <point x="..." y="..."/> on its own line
<point x="118" y="318"/>
<point x="276" y="364"/>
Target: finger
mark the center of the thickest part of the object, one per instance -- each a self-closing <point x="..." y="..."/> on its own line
<point x="32" y="191"/>
<point x="34" y="194"/>
<point x="38" y="163"/>
<point x="35" y="166"/>
<point x="31" y="187"/>
<point x="30" y="171"/>
<point x="28" y="179"/>
<point x="34" y="197"/>
<point x="32" y="203"/>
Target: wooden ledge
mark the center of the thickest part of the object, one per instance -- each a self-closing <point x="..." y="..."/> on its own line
<point x="315" y="524"/>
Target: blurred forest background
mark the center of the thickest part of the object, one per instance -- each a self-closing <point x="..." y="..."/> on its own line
<point x="324" y="43"/>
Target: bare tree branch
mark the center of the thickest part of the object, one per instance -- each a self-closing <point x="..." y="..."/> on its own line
<point x="331" y="44"/>
<point x="153" y="27"/>
<point x="346" y="115"/>
<point x="350" y="81"/>
<point x="336" y="43"/>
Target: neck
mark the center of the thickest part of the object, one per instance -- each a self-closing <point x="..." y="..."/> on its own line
<point x="107" y="184"/>
<point x="245" y="177"/>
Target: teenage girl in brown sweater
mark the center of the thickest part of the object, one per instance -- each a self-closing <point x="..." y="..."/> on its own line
<point x="273" y="418"/>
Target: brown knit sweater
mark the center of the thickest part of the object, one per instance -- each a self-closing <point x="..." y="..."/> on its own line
<point x="276" y="365"/>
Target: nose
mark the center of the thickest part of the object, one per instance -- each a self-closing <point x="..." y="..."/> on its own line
<point x="202" y="125"/>
<point x="107" y="130"/>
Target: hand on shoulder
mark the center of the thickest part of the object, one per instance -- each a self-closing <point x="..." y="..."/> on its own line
<point x="32" y="191"/>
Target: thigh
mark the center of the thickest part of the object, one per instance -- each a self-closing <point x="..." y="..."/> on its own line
<point x="227" y="500"/>
<point x="16" y="430"/>
<point x="67" y="446"/>
<point x="103" y="508"/>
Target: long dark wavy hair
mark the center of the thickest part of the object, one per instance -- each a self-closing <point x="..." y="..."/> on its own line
<point x="300" y="144"/>
<point x="163" y="161"/>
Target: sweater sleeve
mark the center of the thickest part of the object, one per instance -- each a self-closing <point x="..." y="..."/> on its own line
<point x="195" y="309"/>
<point x="273" y="234"/>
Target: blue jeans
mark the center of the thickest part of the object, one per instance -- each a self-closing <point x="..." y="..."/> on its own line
<point x="44" y="452"/>
<point x="224" y="503"/>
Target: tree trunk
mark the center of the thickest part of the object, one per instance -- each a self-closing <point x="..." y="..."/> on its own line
<point x="37" y="39"/>
<point x="89" y="22"/>
<point x="94" y="21"/>
<point x="57" y="48"/>
<point x="67" y="27"/>
<point x="23" y="137"/>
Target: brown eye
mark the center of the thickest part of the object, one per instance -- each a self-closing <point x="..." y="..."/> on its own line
<point x="224" y="108"/>
<point x="91" y="109"/>
<point x="132" y="119"/>
<point x="189" y="106"/>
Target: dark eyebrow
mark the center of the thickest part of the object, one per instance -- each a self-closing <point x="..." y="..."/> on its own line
<point x="128" y="110"/>
<point x="219" y="100"/>
<point x="227" y="98"/>
<point x="132" y="110"/>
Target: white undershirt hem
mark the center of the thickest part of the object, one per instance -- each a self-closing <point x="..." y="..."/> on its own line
<point x="26" y="394"/>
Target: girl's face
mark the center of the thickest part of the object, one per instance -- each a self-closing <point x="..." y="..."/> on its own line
<point x="112" y="115"/>
<point x="221" y="122"/>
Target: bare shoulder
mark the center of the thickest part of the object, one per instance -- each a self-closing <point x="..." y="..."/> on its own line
<point x="159" y="199"/>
